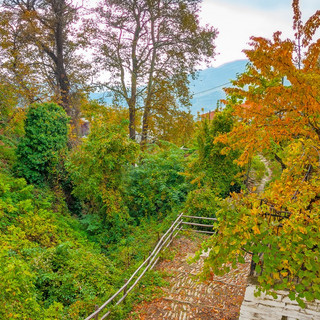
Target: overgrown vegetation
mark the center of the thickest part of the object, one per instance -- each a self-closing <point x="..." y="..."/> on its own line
<point x="49" y="269"/>
<point x="214" y="164"/>
<point x="57" y="263"/>
<point x="78" y="214"/>
<point x="157" y="186"/>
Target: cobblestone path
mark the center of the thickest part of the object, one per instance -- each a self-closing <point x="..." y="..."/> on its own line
<point x="187" y="298"/>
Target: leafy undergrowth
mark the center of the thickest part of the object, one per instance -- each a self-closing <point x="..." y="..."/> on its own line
<point x="48" y="267"/>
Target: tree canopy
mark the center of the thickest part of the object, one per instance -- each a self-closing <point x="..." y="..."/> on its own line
<point x="39" y="45"/>
<point x="151" y="48"/>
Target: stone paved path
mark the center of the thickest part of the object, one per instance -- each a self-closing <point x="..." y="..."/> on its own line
<point x="186" y="298"/>
<point x="265" y="307"/>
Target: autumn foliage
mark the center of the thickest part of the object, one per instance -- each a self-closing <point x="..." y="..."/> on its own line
<point x="276" y="102"/>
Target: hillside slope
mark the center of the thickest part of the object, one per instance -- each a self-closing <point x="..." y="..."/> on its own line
<point x="207" y="88"/>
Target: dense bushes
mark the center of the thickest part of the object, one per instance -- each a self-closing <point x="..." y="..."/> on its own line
<point x="97" y="168"/>
<point x="49" y="269"/>
<point x="157" y="185"/>
<point x="202" y="203"/>
<point x="54" y="266"/>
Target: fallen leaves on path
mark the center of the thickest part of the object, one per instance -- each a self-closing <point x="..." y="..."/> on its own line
<point x="218" y="298"/>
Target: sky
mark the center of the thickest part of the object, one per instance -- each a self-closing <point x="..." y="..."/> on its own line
<point x="238" y="20"/>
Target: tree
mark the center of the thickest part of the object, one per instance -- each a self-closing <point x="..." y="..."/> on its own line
<point x="280" y="228"/>
<point x="39" y="45"/>
<point x="150" y="48"/>
<point x="168" y="121"/>
<point x="9" y="115"/>
<point x="16" y="59"/>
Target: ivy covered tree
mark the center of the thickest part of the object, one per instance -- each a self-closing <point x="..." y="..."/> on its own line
<point x="213" y="164"/>
<point x="97" y="168"/>
<point x="280" y="228"/>
<point x="45" y="138"/>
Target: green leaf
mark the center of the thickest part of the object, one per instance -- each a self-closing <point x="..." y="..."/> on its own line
<point x="255" y="258"/>
<point x="292" y="295"/>
<point x="258" y="268"/>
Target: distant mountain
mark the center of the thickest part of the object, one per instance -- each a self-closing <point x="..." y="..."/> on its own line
<point x="103" y="96"/>
<point x="207" y="88"/>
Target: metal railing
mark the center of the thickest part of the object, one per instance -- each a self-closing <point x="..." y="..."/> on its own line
<point x="150" y="262"/>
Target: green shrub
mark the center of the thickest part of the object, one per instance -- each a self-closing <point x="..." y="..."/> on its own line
<point x="97" y="168"/>
<point x="202" y="203"/>
<point x="45" y="137"/>
<point x="258" y="167"/>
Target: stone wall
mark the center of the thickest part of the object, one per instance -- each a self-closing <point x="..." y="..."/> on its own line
<point x="267" y="308"/>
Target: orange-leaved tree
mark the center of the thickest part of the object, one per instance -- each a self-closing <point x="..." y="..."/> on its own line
<point x="277" y="104"/>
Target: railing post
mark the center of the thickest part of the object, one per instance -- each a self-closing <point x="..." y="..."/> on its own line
<point x="126" y="287"/>
<point x="150" y="258"/>
<point x="96" y="317"/>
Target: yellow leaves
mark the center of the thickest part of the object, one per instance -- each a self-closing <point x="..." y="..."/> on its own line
<point x="302" y="230"/>
<point x="216" y="249"/>
<point x="256" y="229"/>
<point x="225" y="150"/>
<point x="275" y="275"/>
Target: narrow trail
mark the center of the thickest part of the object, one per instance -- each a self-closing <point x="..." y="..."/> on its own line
<point x="267" y="177"/>
<point x="186" y="298"/>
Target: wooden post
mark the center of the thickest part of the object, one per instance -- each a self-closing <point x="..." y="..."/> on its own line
<point x="128" y="259"/>
<point x="125" y="288"/>
<point x="96" y="307"/>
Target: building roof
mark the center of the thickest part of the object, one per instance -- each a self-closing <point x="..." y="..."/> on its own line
<point x="209" y="115"/>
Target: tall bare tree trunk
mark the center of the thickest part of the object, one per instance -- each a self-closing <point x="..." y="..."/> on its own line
<point x="132" y="118"/>
<point x="147" y="107"/>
